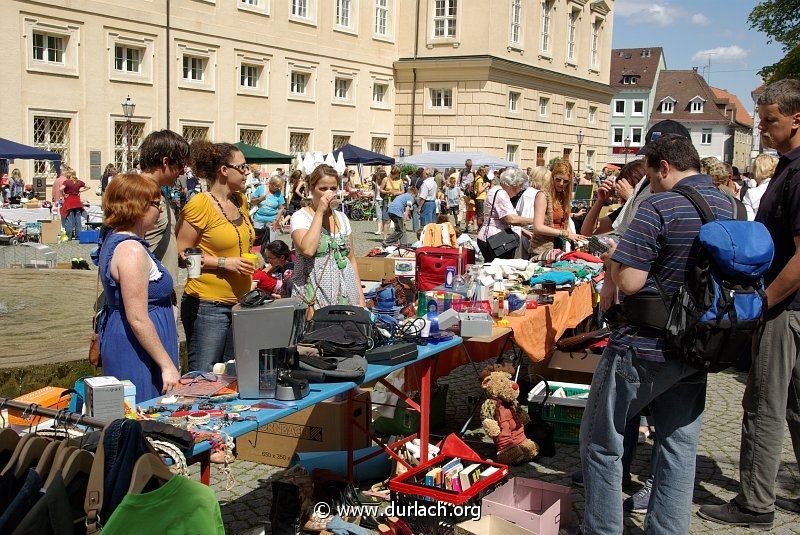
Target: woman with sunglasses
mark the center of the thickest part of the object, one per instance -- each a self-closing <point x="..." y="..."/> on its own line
<point x="552" y="211"/>
<point x="325" y="271"/>
<point x="138" y="336"/>
<point x="218" y="223"/>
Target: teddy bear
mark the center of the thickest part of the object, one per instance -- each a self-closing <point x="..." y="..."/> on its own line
<point x="503" y="418"/>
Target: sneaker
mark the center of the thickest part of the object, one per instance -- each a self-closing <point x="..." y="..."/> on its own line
<point x="638" y="502"/>
<point x="732" y="515"/>
<point x="788" y="506"/>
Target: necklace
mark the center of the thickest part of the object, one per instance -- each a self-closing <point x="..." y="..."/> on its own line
<point x="235" y="226"/>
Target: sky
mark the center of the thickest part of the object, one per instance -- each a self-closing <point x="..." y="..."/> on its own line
<point x="692" y="31"/>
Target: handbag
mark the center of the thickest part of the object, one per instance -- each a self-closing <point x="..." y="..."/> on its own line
<point x="432" y="264"/>
<point x="504" y="241"/>
<point x="95" y="358"/>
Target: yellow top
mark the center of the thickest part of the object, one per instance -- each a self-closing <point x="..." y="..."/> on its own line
<point x="480" y="183"/>
<point x="394" y="187"/>
<point x="218" y="237"/>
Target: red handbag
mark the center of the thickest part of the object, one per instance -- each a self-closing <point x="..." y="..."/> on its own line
<point x="432" y="264"/>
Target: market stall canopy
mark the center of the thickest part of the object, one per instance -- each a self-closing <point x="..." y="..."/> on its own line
<point x="11" y="150"/>
<point x="356" y="155"/>
<point x="445" y="159"/>
<point x="253" y="154"/>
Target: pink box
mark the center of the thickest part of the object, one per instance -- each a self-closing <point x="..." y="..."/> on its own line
<point x="534" y="505"/>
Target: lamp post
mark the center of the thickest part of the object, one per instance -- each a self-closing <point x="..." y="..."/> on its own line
<point x="580" y="142"/>
<point x="127" y="110"/>
<point x="627" y="143"/>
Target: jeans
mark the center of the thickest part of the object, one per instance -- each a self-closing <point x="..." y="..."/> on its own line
<point x="399" y="233"/>
<point x="378" y="206"/>
<point x="209" y="335"/>
<point x="622" y="385"/>
<point x="771" y="397"/>
<point x="73" y="223"/>
<point x="428" y="213"/>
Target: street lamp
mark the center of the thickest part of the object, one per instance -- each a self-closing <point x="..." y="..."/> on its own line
<point x="580" y="142"/>
<point x="627" y="144"/>
<point x="127" y="110"/>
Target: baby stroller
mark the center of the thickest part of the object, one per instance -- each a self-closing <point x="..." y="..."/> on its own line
<point x="11" y="234"/>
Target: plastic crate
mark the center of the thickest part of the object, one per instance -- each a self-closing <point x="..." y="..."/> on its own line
<point x="564" y="413"/>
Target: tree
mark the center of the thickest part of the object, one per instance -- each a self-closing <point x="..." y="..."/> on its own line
<point x="780" y="20"/>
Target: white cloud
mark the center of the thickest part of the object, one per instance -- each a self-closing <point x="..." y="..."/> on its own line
<point x="722" y="53"/>
<point x="698" y="19"/>
<point x="645" y="12"/>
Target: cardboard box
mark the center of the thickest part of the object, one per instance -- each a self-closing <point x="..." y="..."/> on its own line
<point x="105" y="398"/>
<point x="375" y="268"/>
<point x="49" y="232"/>
<point x="537" y="506"/>
<point x="575" y="367"/>
<point x="322" y="427"/>
<point x="490" y="525"/>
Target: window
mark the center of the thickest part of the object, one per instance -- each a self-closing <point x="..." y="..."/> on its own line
<point x="248" y="76"/>
<point x="382" y="17"/>
<point x="127" y="59"/>
<point x="121" y="143"/>
<point x="341" y="89"/>
<point x="592" y="114"/>
<point x="567" y="155"/>
<point x="299" y="81"/>
<point x="379" y="93"/>
<point x="343" y="13"/>
<point x="193" y="68"/>
<point x="572" y="23"/>
<point x="618" y="133"/>
<point x="638" y="108"/>
<point x="569" y="109"/>
<point x="630" y="79"/>
<point x="636" y="136"/>
<point x="195" y="133"/>
<point x="705" y="137"/>
<point x="667" y="106"/>
<point x="300" y="8"/>
<point x="441" y="98"/>
<point x="513" y="101"/>
<point x="444" y="18"/>
<point x="53" y="134"/>
<point x="619" y="107"/>
<point x="547" y="8"/>
<point x="251" y="136"/>
<point x="697" y="106"/>
<point x="590" y="158"/>
<point x="516" y="21"/>
<point x="298" y="142"/>
<point x="543" y="102"/>
<point x="438" y="146"/>
<point x="379" y="145"/>
<point x="511" y="153"/>
<point x="340" y="141"/>
<point x="261" y="6"/>
<point x="48" y="48"/>
<point x="541" y="156"/>
<point x="595" y="60"/>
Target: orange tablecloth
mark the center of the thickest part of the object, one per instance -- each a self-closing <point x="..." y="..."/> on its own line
<point x="536" y="333"/>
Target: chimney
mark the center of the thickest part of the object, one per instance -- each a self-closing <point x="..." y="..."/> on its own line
<point x="694" y="69"/>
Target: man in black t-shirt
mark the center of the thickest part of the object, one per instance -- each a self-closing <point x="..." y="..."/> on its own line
<point x="772" y="395"/>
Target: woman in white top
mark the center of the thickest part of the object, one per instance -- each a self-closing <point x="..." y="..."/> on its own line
<point x="763" y="167"/>
<point x="325" y="271"/>
<point x="526" y="208"/>
<point x="500" y="214"/>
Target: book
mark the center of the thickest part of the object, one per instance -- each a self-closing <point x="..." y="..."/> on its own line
<point x="489" y="471"/>
<point x="434" y="478"/>
<point x="468" y="476"/>
<point x="451" y="475"/>
<point x="450" y="464"/>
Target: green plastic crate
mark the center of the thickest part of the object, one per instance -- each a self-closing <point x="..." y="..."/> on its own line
<point x="564" y="413"/>
<point x="406" y="421"/>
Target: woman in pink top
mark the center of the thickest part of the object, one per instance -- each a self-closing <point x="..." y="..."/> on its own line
<point x="499" y="213"/>
<point x="72" y="210"/>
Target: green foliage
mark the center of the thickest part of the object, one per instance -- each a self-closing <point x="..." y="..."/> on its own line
<point x="553" y="161"/>
<point x="780" y="20"/>
<point x="408" y="169"/>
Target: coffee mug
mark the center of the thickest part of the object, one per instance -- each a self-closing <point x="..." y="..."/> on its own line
<point x="194" y="260"/>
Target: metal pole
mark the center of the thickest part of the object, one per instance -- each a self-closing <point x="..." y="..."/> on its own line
<point x="128" y="136"/>
<point x="33" y="408"/>
<point x="579" y="159"/>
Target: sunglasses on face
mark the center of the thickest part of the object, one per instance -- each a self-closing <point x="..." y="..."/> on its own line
<point x="242" y="167"/>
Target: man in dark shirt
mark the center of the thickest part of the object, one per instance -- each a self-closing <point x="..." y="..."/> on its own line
<point x="638" y="367"/>
<point x="772" y="395"/>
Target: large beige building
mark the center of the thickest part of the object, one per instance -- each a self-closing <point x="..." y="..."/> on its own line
<point x="513" y="78"/>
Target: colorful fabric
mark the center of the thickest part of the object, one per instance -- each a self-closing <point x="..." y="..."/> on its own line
<point x="558" y="277"/>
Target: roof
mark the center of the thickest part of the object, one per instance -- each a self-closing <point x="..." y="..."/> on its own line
<point x="742" y="117"/>
<point x="642" y="62"/>
<point x="684" y="86"/>
<point x="757" y="91"/>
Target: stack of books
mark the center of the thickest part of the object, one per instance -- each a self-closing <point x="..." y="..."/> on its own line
<point x="453" y="475"/>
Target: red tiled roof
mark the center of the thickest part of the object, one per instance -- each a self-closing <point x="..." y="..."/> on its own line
<point x="683" y="86"/>
<point x="742" y="117"/>
<point x="635" y="61"/>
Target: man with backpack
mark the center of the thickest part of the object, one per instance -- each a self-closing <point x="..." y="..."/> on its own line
<point x="772" y="394"/>
<point x="651" y="263"/>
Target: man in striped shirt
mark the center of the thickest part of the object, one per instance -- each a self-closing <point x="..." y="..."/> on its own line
<point x="638" y="367"/>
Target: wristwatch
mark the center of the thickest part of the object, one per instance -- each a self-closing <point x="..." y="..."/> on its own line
<point x="220" y="263"/>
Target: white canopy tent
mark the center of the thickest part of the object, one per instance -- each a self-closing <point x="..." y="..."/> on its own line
<point x="443" y="160"/>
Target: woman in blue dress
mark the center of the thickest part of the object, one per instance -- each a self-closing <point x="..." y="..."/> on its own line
<point x="138" y="334"/>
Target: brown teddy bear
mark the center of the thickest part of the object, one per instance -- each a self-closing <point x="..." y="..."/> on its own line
<point x="503" y="418"/>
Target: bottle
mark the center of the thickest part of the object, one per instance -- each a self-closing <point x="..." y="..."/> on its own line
<point x="501" y="306"/>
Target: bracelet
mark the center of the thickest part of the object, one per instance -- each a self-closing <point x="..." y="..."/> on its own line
<point x="220" y="263"/>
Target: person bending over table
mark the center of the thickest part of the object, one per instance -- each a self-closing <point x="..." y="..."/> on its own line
<point x="217" y="222"/>
<point x="138" y="335"/>
<point x="500" y="213"/>
<point x="325" y="268"/>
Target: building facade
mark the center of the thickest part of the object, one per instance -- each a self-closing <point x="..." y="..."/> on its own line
<point x="516" y="79"/>
<point x="741" y="128"/>
<point x="634" y="76"/>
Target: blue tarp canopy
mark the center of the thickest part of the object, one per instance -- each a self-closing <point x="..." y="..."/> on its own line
<point x="10" y="150"/>
<point x="356" y="155"/>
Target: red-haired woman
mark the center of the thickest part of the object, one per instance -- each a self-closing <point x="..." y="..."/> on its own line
<point x="138" y="336"/>
<point x="552" y="210"/>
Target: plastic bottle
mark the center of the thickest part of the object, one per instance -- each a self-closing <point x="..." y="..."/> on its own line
<point x="501" y="307"/>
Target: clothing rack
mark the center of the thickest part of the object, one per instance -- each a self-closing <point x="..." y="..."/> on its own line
<point x="61" y="416"/>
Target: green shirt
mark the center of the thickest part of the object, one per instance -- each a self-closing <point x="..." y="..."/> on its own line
<point x="180" y="507"/>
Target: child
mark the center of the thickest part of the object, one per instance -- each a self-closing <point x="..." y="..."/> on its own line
<point x="453" y="194"/>
<point x="470" y="215"/>
<point x="276" y="276"/>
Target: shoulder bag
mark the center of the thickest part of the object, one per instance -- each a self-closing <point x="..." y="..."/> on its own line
<point x="94" y="343"/>
<point x="504" y="241"/>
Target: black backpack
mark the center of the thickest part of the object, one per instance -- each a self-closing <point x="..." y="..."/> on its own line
<point x="335" y="342"/>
